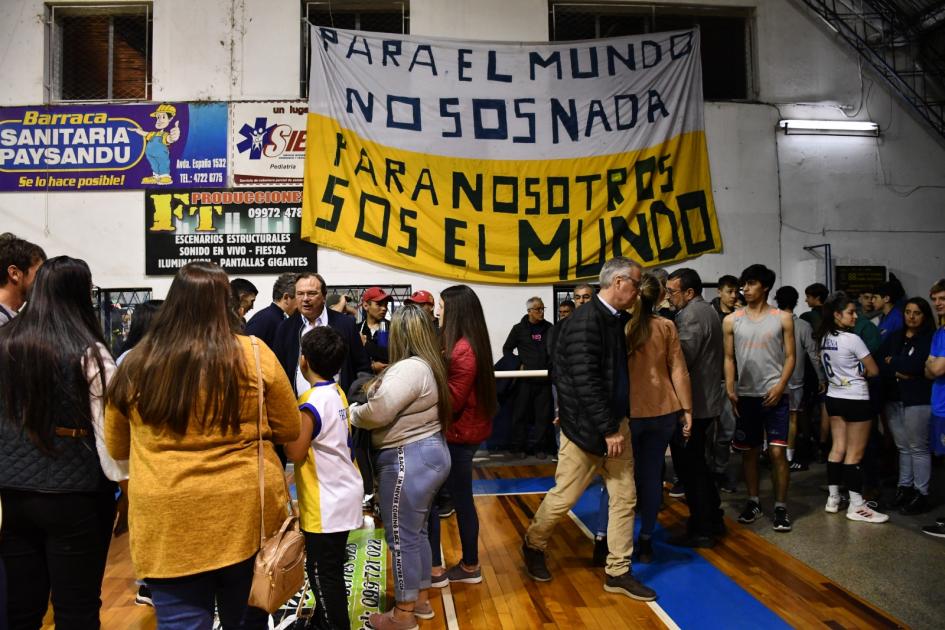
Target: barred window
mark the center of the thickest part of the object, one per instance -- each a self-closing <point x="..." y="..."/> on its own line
<point x="98" y="52"/>
<point x="725" y="35"/>
<point x="379" y="17"/>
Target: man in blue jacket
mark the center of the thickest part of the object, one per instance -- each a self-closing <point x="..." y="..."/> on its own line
<point x="593" y="386"/>
<point x="264" y="323"/>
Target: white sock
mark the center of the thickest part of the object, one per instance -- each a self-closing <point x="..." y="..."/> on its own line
<point x="790" y="454"/>
<point x="856" y="500"/>
<point x="834" y="491"/>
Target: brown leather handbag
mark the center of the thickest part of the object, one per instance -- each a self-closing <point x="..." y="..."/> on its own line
<point x="279" y="571"/>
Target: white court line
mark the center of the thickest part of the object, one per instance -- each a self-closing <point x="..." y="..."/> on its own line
<point x="449" y="608"/>
<point x="656" y="608"/>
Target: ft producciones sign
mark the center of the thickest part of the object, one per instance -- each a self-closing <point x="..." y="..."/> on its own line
<point x="243" y="231"/>
<point x="113" y="147"/>
<point x="507" y="163"/>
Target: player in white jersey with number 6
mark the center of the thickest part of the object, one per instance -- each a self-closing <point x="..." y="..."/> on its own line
<point x="847" y="362"/>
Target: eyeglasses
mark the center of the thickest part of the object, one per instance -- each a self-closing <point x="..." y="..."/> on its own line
<point x="635" y="283"/>
<point x="537" y="308"/>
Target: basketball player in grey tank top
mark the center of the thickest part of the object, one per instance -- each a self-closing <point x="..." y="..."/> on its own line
<point x="759" y="340"/>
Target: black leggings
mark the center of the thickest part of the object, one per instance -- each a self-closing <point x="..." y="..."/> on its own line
<point x="325" y="564"/>
<point x="459" y="484"/>
<point x="55" y="543"/>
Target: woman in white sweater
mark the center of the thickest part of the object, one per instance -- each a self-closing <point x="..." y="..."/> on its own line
<point x="407" y="410"/>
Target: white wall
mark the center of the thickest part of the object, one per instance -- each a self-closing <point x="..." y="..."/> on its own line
<point x="877" y="201"/>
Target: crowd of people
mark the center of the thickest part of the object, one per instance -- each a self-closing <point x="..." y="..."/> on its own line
<point x="388" y="412"/>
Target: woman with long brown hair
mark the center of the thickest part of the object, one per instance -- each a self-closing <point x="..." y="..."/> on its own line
<point x="56" y="478"/>
<point x="472" y="393"/>
<point x="407" y="411"/>
<point x="183" y="407"/>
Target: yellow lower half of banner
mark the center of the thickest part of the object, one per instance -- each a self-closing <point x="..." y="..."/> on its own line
<point x="534" y="221"/>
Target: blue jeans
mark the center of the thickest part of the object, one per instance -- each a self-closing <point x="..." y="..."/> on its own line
<point x="910" y="429"/>
<point x="459" y="484"/>
<point x="186" y="603"/>
<point x="408" y="479"/>
<point x="650" y="437"/>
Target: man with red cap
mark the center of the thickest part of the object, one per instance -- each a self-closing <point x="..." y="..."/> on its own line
<point x="375" y="302"/>
<point x="423" y="299"/>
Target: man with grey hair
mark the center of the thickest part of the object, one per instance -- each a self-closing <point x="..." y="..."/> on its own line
<point x="593" y="385"/>
<point x="264" y="323"/>
<point x="532" y="406"/>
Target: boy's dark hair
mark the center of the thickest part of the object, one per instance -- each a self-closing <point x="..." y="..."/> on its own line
<point x="688" y="279"/>
<point x="758" y="273"/>
<point x="569" y="303"/>
<point x="892" y="289"/>
<point x="241" y="287"/>
<point x="786" y="298"/>
<point x="324" y="350"/>
<point x="818" y="291"/>
<point x="728" y="281"/>
<point x="19" y="253"/>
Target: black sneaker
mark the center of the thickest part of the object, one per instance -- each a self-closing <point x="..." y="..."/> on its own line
<point x="446" y="510"/>
<point x="782" y="522"/>
<point x="918" y="505"/>
<point x="904" y="494"/>
<point x="750" y="514"/>
<point x="677" y="490"/>
<point x="937" y="530"/>
<point x="628" y="585"/>
<point x="535" y="564"/>
<point x="143" y="597"/>
<point x="940" y="520"/>
<point x="798" y="466"/>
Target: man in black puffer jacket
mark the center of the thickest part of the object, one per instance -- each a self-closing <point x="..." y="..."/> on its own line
<point x="591" y="376"/>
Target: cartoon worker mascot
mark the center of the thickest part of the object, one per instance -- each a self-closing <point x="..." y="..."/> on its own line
<point x="156" y="144"/>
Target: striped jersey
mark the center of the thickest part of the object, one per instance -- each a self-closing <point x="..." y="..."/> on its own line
<point x="328" y="482"/>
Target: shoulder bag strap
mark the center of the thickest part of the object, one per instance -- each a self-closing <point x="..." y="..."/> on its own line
<point x="259" y="446"/>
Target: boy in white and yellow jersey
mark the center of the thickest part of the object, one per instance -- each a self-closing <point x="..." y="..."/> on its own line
<point x="328" y="482"/>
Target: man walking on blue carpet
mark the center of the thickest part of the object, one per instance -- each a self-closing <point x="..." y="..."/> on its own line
<point x="593" y="407"/>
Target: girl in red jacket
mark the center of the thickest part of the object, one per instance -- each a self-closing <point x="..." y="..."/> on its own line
<point x="471" y="380"/>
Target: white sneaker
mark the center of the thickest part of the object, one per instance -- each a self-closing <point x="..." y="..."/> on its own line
<point x="833" y="504"/>
<point x="866" y="514"/>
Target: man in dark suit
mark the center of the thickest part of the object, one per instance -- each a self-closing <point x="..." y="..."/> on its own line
<point x="310" y="292"/>
<point x="264" y="323"/>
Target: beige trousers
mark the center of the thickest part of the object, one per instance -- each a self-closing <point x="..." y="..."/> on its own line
<point x="576" y="470"/>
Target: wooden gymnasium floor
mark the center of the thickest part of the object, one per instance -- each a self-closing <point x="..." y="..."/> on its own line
<point x="743" y="582"/>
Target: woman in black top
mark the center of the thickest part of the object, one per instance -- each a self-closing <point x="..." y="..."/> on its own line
<point x="907" y="394"/>
<point x="58" y="504"/>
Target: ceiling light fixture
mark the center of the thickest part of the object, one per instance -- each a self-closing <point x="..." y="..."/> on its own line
<point x="829" y="127"/>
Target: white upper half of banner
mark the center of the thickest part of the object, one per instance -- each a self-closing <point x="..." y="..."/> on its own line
<point x="502" y="101"/>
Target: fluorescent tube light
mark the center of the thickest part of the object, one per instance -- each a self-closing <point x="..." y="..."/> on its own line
<point x="830" y="127"/>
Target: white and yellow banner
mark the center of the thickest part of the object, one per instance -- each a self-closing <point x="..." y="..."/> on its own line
<point x="507" y="163"/>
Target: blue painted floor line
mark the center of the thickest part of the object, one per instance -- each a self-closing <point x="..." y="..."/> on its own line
<point x="692" y="591"/>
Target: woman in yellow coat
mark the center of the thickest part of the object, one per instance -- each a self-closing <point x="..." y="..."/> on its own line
<point x="183" y="408"/>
